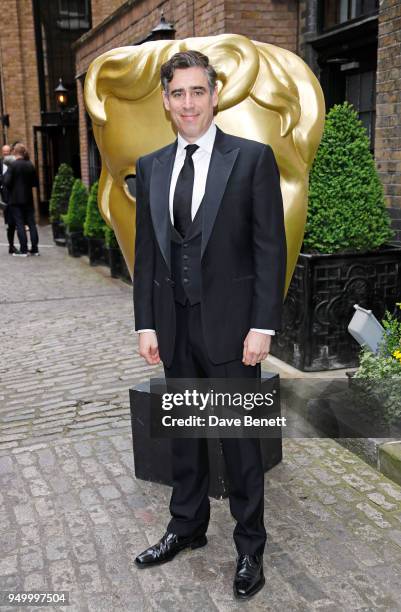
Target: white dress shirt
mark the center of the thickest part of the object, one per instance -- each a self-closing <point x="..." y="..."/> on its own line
<point x="201" y="159"/>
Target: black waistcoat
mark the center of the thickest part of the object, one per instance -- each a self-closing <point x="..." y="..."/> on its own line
<point x="186" y="261"/>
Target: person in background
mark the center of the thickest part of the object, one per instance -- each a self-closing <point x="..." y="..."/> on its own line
<point x="19" y="180"/>
<point x="5" y="160"/>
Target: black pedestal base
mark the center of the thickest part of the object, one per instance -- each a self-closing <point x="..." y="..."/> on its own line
<point x="152" y="455"/>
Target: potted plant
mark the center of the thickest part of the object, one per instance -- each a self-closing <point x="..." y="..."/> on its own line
<point x="125" y="274"/>
<point x="113" y="253"/>
<point x="376" y="384"/>
<point x="74" y="220"/>
<point x="58" y="204"/>
<point x="346" y="255"/>
<point x="94" y="228"/>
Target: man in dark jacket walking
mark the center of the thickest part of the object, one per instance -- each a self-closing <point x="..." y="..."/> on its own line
<point x="5" y="161"/>
<point x="19" y="180"/>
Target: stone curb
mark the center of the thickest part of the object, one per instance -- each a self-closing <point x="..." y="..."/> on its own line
<point x="389" y="460"/>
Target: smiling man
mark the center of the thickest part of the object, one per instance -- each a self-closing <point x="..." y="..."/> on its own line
<point x="210" y="262"/>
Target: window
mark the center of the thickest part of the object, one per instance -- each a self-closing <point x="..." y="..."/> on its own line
<point x="74" y="8"/>
<point x="335" y="12"/>
<point x="73" y="14"/>
<point x="361" y="92"/>
<point x="55" y="33"/>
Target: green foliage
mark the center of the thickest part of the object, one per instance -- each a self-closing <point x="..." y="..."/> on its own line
<point x="61" y="191"/>
<point x="76" y="212"/>
<point x="377" y="366"/>
<point x="380" y="374"/>
<point x="392" y="335"/>
<point x="110" y="238"/>
<point x="94" y="224"/>
<point x="346" y="210"/>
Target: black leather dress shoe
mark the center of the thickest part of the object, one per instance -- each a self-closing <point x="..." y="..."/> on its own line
<point x="249" y="577"/>
<point x="166" y="549"/>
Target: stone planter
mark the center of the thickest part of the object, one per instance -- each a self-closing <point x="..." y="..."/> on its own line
<point x="114" y="259"/>
<point x="125" y="275"/>
<point x="77" y="244"/>
<point x="96" y="251"/>
<point x="320" y="300"/>
<point x="58" y="230"/>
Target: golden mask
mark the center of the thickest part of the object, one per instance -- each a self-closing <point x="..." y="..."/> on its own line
<point x="266" y="93"/>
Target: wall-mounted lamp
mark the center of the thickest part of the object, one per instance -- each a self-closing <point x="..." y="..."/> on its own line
<point x="61" y="94"/>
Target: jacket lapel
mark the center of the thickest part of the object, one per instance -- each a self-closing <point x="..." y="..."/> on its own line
<point x="221" y="164"/>
<point x="159" y="199"/>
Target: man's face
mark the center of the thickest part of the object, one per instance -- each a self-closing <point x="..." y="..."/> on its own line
<point x="190" y="102"/>
<point x="5" y="150"/>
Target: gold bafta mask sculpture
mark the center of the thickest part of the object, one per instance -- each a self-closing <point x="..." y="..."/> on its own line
<point x="266" y="93"/>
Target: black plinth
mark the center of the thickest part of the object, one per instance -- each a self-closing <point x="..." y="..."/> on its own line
<point x="152" y="455"/>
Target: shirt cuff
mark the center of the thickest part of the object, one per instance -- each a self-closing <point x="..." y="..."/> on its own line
<point x="270" y="332"/>
<point x="139" y="331"/>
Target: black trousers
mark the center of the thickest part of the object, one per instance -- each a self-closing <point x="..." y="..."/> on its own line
<point x="189" y="504"/>
<point x="9" y="221"/>
<point x="25" y="215"/>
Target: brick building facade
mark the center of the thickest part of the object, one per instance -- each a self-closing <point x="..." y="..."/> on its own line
<point x="35" y="52"/>
<point x="19" y="97"/>
<point x="353" y="48"/>
<point x="388" y="101"/>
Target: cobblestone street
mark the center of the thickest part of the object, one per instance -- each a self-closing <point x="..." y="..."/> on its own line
<point x="72" y="514"/>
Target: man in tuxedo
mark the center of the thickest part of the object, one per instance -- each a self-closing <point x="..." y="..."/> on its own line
<point x="209" y="276"/>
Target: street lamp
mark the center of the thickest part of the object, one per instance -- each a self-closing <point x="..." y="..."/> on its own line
<point x="163" y="30"/>
<point x="61" y="94"/>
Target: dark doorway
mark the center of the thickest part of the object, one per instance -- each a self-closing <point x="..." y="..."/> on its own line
<point x="54" y="145"/>
<point x="58" y="24"/>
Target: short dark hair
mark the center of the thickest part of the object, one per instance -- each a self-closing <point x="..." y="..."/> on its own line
<point x="187" y="59"/>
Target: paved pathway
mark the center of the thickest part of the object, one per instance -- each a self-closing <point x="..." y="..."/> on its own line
<point x="72" y="514"/>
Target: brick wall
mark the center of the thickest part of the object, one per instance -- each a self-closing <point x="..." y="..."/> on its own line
<point x="207" y="19"/>
<point x="103" y="8"/>
<point x="388" y="101"/>
<point x="19" y="70"/>
<point x="129" y="25"/>
<point x="83" y="134"/>
<point x="135" y="20"/>
<point x="271" y="21"/>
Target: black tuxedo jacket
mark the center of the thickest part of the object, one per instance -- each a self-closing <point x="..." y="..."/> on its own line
<point x="19" y="179"/>
<point x="243" y="253"/>
<point x="3" y="189"/>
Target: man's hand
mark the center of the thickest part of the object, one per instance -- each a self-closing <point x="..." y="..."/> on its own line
<point x="256" y="347"/>
<point x="148" y="347"/>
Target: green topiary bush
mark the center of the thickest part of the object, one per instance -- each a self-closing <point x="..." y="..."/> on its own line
<point x="346" y="209"/>
<point x="61" y="192"/>
<point x="94" y="224"/>
<point x="75" y="217"/>
<point x="110" y="238"/>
